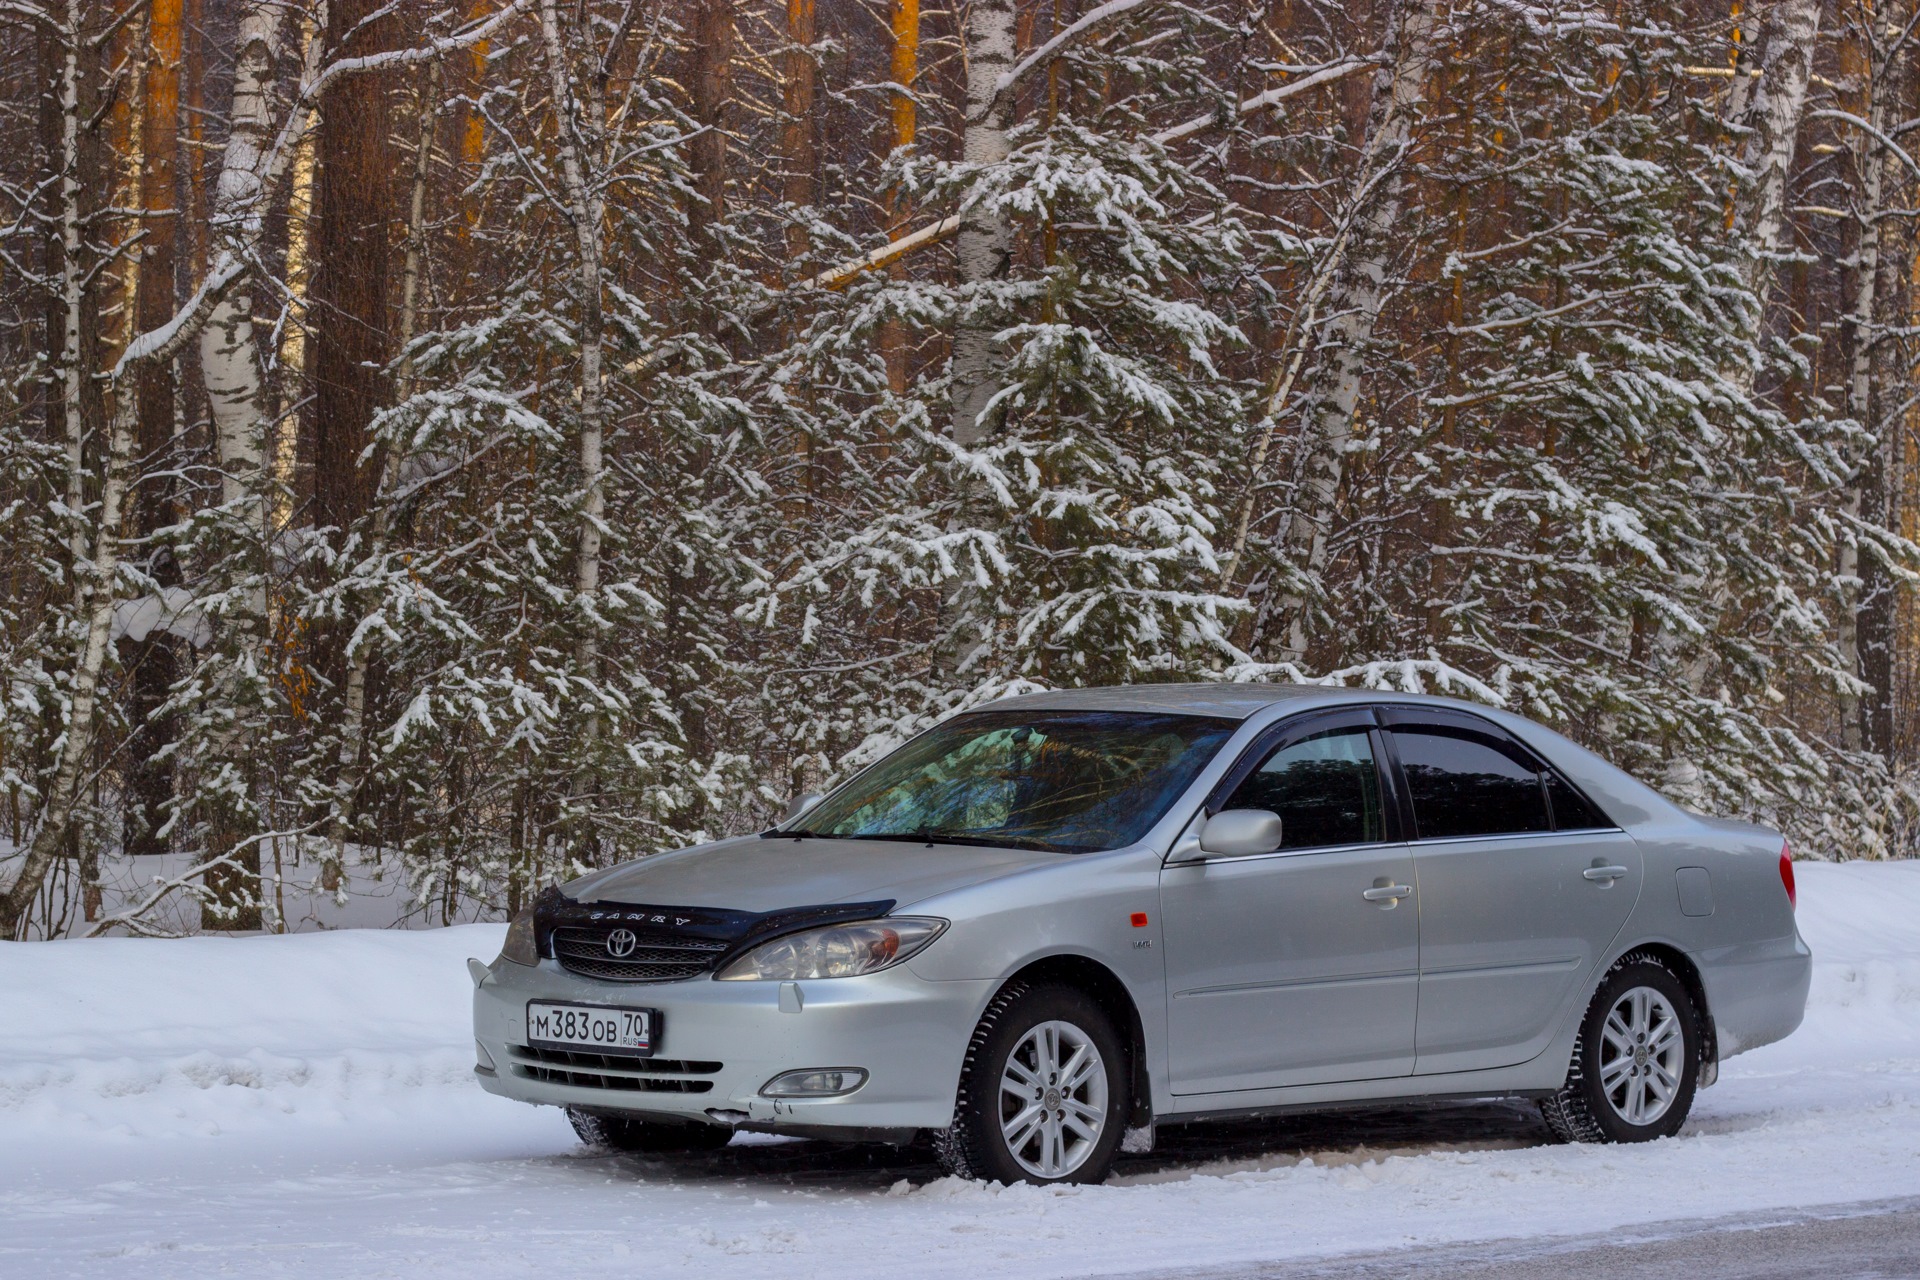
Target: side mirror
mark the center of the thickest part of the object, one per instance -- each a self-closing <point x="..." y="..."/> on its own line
<point x="801" y="803"/>
<point x="1233" y="833"/>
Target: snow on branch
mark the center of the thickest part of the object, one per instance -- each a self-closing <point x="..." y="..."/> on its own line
<point x="838" y="276"/>
<point x="1066" y="36"/>
<point x="1272" y="97"/>
<point x="164" y="887"/>
<point x="162" y="344"/>
<point x="1866" y="127"/>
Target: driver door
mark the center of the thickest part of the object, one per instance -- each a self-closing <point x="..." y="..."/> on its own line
<point x="1279" y="970"/>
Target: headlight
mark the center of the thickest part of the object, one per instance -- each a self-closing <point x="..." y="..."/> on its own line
<point x="838" y="951"/>
<point x="521" y="947"/>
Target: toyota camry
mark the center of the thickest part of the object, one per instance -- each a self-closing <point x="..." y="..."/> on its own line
<point x="1043" y="928"/>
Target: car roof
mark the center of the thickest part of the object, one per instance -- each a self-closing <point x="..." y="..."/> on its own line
<point x="1625" y="798"/>
<point x="1229" y="701"/>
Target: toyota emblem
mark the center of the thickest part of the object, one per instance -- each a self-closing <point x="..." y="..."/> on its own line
<point x="621" y="942"/>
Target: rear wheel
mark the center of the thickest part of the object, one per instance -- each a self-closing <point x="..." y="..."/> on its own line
<point x="623" y="1134"/>
<point x="1636" y="1063"/>
<point x="1043" y="1094"/>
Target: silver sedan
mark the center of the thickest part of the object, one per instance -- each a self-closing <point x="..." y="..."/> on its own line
<point x="1041" y="929"/>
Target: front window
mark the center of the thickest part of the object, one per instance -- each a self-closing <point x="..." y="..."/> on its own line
<point x="1324" y="788"/>
<point x="1069" y="781"/>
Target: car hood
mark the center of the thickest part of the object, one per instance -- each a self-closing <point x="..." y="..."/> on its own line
<point x="754" y="874"/>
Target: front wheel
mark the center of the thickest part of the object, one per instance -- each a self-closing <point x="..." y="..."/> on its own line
<point x="1635" y="1064"/>
<point x="646" y="1137"/>
<point x="1043" y="1094"/>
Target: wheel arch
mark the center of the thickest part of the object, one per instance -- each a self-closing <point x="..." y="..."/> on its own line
<point x="1681" y="965"/>
<point x="1105" y="987"/>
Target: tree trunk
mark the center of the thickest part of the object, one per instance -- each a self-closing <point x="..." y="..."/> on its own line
<point x="72" y="373"/>
<point x="984" y="246"/>
<point x="905" y="69"/>
<point x="1358" y="288"/>
<point x="152" y="663"/>
<point x="236" y="391"/>
<point x="94" y="594"/>
<point x="797" y="129"/>
<point x="1768" y="108"/>
<point x="284" y="472"/>
<point x="585" y="213"/>
<point x="349" y="297"/>
<point x="713" y="37"/>
<point x="229" y="359"/>
<point x="352" y="758"/>
<point x="1868" y="606"/>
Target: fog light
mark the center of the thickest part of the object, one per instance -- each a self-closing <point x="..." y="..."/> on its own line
<point x="820" y="1082"/>
<point x="482" y="1058"/>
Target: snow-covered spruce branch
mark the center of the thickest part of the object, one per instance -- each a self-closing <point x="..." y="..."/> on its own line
<point x="840" y="274"/>
<point x="1271" y="98"/>
<point x="1407" y="675"/>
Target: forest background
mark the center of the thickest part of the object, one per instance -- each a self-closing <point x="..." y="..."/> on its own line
<point x="496" y="440"/>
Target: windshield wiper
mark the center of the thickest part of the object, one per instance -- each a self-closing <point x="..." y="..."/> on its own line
<point x="795" y="833"/>
<point x="924" y="836"/>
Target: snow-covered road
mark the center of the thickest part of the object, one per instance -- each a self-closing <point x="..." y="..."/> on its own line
<point x="302" y="1106"/>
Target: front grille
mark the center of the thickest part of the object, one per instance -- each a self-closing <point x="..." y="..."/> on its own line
<point x="609" y="1071"/>
<point x="656" y="957"/>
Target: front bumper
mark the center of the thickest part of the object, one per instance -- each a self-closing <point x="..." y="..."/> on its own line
<point x="720" y="1042"/>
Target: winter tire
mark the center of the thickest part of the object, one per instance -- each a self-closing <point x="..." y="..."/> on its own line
<point x="1043" y="1093"/>
<point x="1636" y="1061"/>
<point x="618" y="1133"/>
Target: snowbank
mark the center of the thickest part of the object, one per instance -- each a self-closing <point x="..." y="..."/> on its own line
<point x="303" y="1105"/>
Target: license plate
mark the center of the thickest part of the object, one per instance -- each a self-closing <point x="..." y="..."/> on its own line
<point x="594" y="1027"/>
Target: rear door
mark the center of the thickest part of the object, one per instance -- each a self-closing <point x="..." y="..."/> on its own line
<point x="1280" y="969"/>
<point x="1523" y="885"/>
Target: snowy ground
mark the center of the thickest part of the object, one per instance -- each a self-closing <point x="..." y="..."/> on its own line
<point x="302" y="1106"/>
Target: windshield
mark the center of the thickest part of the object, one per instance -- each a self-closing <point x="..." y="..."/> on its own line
<point x="1072" y="781"/>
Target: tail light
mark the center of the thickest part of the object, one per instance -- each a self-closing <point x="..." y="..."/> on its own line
<point x="1786" y="876"/>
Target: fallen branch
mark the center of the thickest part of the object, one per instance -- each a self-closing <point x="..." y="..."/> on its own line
<point x="165" y="887"/>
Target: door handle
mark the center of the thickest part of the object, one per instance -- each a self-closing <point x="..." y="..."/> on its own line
<point x="1605" y="874"/>
<point x="1387" y="893"/>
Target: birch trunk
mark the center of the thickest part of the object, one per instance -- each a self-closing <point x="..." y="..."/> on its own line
<point x="1767" y="110"/>
<point x="229" y="355"/>
<point x="984" y="244"/>
<point x="56" y="810"/>
<point x="238" y="400"/>
<point x="1358" y="286"/>
<point x="72" y="285"/>
<point x="94" y="593"/>
<point x="585" y="212"/>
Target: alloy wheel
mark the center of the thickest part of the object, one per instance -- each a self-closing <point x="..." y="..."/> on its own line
<point x="1053" y="1099"/>
<point x="1642" y="1056"/>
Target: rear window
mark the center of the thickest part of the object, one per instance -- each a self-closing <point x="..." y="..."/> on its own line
<point x="1462" y="784"/>
<point x="1571" y="810"/>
